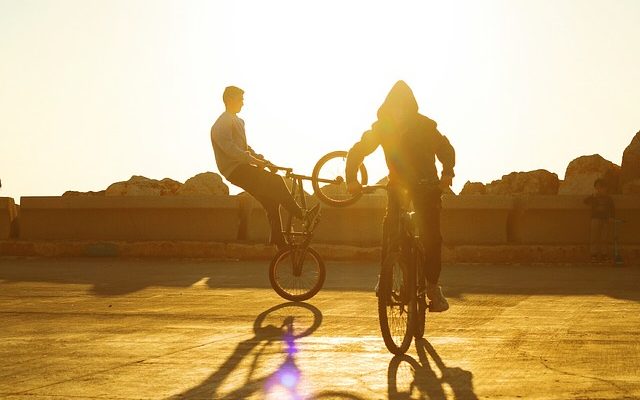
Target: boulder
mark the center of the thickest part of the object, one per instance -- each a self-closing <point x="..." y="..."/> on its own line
<point x="630" y="167"/>
<point x="473" y="188"/>
<point x="206" y="183"/>
<point x="142" y="186"/>
<point x="532" y="182"/>
<point x="582" y="172"/>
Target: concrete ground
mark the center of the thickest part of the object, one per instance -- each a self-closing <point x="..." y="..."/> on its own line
<point x="171" y="329"/>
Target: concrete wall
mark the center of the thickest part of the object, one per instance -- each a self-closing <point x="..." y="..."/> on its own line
<point x="214" y="218"/>
<point x="475" y="219"/>
<point x="466" y="220"/>
<point x="8" y="213"/>
<point x="566" y="220"/>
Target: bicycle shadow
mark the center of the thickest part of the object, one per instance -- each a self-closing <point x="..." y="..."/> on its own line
<point x="420" y="377"/>
<point x="286" y="377"/>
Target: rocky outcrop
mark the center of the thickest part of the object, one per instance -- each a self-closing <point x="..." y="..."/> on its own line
<point x="141" y="186"/>
<point x="582" y="172"/>
<point x="473" y="188"/>
<point x="532" y="182"/>
<point x="630" y="168"/>
<point x="206" y="183"/>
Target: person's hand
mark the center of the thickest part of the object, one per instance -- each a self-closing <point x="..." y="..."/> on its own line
<point x="354" y="187"/>
<point x="445" y="183"/>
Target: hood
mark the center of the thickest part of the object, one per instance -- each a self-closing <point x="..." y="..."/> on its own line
<point x="400" y="96"/>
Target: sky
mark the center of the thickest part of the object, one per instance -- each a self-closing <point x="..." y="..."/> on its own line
<point x="93" y="92"/>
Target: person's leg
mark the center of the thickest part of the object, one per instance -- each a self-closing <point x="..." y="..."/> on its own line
<point x="428" y="214"/>
<point x="390" y="223"/>
<point x="275" y="221"/>
<point x="263" y="184"/>
<point x="596" y="238"/>
<point x="427" y="204"/>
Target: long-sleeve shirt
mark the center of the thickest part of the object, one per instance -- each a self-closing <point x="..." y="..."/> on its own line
<point x="229" y="143"/>
<point x="410" y="154"/>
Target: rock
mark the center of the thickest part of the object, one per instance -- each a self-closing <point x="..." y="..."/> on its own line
<point x="632" y="187"/>
<point x="141" y="186"/>
<point x="73" y="193"/>
<point x="532" y="182"/>
<point x="206" y="183"/>
<point x="583" y="171"/>
<point x="630" y="167"/>
<point x="473" y="188"/>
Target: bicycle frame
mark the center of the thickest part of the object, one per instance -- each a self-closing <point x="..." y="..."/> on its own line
<point x="296" y="238"/>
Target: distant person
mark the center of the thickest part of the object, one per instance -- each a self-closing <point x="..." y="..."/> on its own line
<point x="243" y="167"/>
<point x="411" y="142"/>
<point x="602" y="212"/>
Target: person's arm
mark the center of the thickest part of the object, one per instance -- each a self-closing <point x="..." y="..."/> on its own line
<point x="368" y="144"/>
<point x="223" y="137"/>
<point x="447" y="156"/>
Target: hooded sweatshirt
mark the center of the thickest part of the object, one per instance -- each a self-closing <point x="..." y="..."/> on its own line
<point x="409" y="151"/>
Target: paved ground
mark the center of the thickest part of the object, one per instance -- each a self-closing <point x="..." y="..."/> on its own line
<point x="165" y="329"/>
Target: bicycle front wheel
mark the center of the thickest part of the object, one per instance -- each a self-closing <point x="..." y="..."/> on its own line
<point x="329" y="181"/>
<point x="396" y="305"/>
<point x="296" y="273"/>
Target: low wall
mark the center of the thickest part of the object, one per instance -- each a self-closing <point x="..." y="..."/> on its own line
<point x="8" y="213"/>
<point x="214" y="218"/>
<point x="562" y="220"/>
<point x="480" y="220"/>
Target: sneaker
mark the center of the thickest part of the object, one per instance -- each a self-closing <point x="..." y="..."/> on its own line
<point x="310" y="217"/>
<point x="438" y="303"/>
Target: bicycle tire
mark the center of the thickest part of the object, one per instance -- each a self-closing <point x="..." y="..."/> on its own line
<point x="289" y="283"/>
<point x="396" y="305"/>
<point x="334" y="191"/>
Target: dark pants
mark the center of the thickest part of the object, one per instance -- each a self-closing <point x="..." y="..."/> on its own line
<point x="427" y="205"/>
<point x="270" y="190"/>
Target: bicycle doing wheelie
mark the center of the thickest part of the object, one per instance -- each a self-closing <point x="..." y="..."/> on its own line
<point x="401" y="290"/>
<point x="297" y="272"/>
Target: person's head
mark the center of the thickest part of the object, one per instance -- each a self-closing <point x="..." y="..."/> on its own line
<point x="399" y="105"/>
<point x="233" y="98"/>
<point x="600" y="186"/>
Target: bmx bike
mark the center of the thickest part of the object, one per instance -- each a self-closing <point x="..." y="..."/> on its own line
<point x="297" y="272"/>
<point x="401" y="291"/>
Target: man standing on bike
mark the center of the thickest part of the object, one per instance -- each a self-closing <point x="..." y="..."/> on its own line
<point x="411" y="142"/>
<point x="245" y="168"/>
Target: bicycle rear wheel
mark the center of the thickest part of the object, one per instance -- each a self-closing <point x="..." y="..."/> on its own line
<point x="396" y="305"/>
<point x="297" y="273"/>
<point x="329" y="181"/>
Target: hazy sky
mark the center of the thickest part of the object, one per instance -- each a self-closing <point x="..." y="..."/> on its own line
<point x="92" y="92"/>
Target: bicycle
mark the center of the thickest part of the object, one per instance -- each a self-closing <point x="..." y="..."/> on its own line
<point x="297" y="272"/>
<point x="401" y="290"/>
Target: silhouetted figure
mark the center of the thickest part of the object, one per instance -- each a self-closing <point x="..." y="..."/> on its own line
<point x="602" y="211"/>
<point x="243" y="167"/>
<point x="411" y="142"/>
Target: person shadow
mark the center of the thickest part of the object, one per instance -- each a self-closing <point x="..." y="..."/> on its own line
<point x="409" y="378"/>
<point x="277" y="325"/>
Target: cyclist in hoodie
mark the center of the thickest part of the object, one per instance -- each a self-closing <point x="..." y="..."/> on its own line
<point x="411" y="143"/>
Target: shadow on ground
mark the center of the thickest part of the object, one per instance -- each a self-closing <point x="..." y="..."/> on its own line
<point x="279" y="327"/>
<point x="407" y="376"/>
<point x="112" y="277"/>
